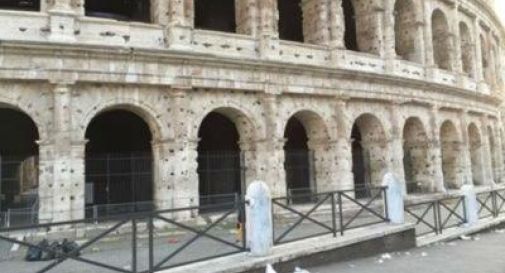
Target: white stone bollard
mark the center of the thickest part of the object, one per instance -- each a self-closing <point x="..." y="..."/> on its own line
<point x="471" y="204"/>
<point x="394" y="194"/>
<point x="259" y="224"/>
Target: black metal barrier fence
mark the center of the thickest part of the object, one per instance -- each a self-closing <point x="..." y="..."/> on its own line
<point x="435" y="216"/>
<point x="147" y="251"/>
<point x="328" y="213"/>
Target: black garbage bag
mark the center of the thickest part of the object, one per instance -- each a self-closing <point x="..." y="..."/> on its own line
<point x="53" y="248"/>
<point x="35" y="253"/>
<point x="70" y="247"/>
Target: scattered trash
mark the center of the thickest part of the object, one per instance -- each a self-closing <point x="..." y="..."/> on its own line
<point x="270" y="269"/>
<point x="500" y="230"/>
<point x="424" y="254"/>
<point x="45" y="251"/>
<point x="386" y="256"/>
<point x="299" y="270"/>
<point x="452" y="244"/>
<point x="380" y="261"/>
<point x="465" y="238"/>
<point x="352" y="266"/>
<point x="407" y="253"/>
<point x="476" y="238"/>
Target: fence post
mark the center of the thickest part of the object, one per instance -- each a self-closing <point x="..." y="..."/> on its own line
<point x="471" y="205"/>
<point x="259" y="223"/>
<point x="394" y="200"/>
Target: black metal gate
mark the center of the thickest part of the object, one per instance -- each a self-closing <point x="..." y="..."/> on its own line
<point x="300" y="175"/>
<point x="125" y="179"/>
<point x="221" y="176"/>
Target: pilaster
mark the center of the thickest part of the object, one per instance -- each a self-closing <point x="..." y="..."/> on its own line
<point x="435" y="152"/>
<point x="395" y="163"/>
<point x="62" y="21"/>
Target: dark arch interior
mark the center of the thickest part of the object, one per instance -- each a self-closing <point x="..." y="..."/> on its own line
<point x="350" y="33"/>
<point x="359" y="164"/>
<point x="119" y="162"/>
<point x="218" y="15"/>
<point x="28" y="5"/>
<point x="290" y="20"/>
<point x="19" y="159"/>
<point x="124" y="10"/>
<point x="219" y="160"/>
<point x="297" y="161"/>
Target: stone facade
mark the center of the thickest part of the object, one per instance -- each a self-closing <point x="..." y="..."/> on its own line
<point x="426" y="83"/>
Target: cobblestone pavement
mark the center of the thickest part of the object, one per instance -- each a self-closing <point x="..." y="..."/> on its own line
<point x="482" y="253"/>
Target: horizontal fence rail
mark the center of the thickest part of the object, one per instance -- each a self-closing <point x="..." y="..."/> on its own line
<point x="327" y="213"/>
<point x="158" y="251"/>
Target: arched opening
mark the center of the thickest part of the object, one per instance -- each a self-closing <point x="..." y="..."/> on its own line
<point x="451" y="156"/>
<point x="217" y="15"/>
<point x="220" y="174"/>
<point x="290" y="20"/>
<point x="19" y="161"/>
<point x="415" y="157"/>
<point x="350" y="32"/>
<point x="27" y="5"/>
<point x="475" y="146"/>
<point x="368" y="154"/>
<point x="119" y="164"/>
<point x="492" y="153"/>
<point x="129" y="10"/>
<point x="405" y="30"/>
<point x="441" y="40"/>
<point x="298" y="160"/>
<point x="466" y="49"/>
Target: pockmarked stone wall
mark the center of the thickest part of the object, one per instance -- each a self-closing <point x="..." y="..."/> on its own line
<point x="422" y="92"/>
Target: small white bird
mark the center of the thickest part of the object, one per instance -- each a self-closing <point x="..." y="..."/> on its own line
<point x="270" y="269"/>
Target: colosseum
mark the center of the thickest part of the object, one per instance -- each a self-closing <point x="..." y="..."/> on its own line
<point x="170" y="103"/>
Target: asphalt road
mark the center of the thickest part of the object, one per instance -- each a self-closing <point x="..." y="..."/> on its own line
<point x="482" y="253"/>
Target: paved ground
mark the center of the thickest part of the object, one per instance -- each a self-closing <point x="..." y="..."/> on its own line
<point x="482" y="254"/>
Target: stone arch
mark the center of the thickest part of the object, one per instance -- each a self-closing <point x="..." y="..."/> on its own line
<point x="476" y="158"/>
<point x="146" y="112"/>
<point x="441" y="38"/>
<point x="416" y="159"/>
<point x="225" y="152"/>
<point x="369" y="153"/>
<point x="406" y="30"/>
<point x="19" y="154"/>
<point x="466" y="48"/>
<point x="247" y="127"/>
<point x="27" y="109"/>
<point x="450" y="143"/>
<point x="306" y="152"/>
<point x="120" y="166"/>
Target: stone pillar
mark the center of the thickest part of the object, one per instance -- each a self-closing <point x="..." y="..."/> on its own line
<point x="498" y="155"/>
<point x="479" y="72"/>
<point x="323" y="165"/>
<point x="486" y="154"/>
<point x="315" y="22"/>
<point x="471" y="205"/>
<point x="61" y="185"/>
<point x="268" y="35"/>
<point x="456" y="41"/>
<point x="270" y="150"/>
<point x="248" y="162"/>
<point x="394" y="193"/>
<point x="62" y="21"/>
<point x="466" y="161"/>
<point x="259" y="219"/>
<point x="337" y="25"/>
<point x="160" y="11"/>
<point x="175" y="172"/>
<point x="178" y="28"/>
<point x="428" y="41"/>
<point x="435" y="153"/>
<point x="389" y="35"/>
<point x="343" y="146"/>
<point x="395" y="164"/>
